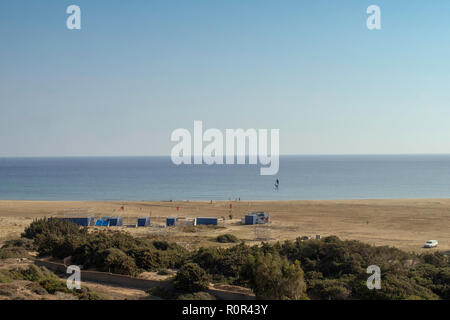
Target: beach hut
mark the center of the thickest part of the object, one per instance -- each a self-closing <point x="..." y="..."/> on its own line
<point x="207" y="221"/>
<point x="114" y="221"/>
<point x="102" y="223"/>
<point x="110" y="222"/>
<point x="251" y="219"/>
<point x="256" y="218"/>
<point x="81" y="221"/>
<point x="171" y="221"/>
<point x="143" y="222"/>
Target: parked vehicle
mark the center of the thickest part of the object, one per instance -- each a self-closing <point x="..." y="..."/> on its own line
<point x="430" y="244"/>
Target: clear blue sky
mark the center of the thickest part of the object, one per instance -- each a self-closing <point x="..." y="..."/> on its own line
<point x="140" y="69"/>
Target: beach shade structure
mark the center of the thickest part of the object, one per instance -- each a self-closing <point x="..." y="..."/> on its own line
<point x="257" y="218"/>
<point x="114" y="221"/>
<point x="171" y="221"/>
<point x="102" y="223"/>
<point x="251" y="219"/>
<point x="207" y="221"/>
<point x="81" y="221"/>
<point x="143" y="222"/>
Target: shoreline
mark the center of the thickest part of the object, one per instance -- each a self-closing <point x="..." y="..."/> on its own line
<point x="222" y="200"/>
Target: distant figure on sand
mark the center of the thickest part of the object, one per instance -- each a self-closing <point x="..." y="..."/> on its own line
<point x="277" y="184"/>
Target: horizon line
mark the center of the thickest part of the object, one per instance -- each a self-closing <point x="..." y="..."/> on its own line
<point x="281" y="154"/>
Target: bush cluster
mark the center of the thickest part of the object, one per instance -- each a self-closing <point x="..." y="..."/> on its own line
<point x="43" y="281"/>
<point x="328" y="268"/>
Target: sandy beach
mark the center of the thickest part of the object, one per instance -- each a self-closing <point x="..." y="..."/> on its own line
<point x="402" y="223"/>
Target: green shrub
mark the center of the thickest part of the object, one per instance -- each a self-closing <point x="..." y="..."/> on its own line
<point x="116" y="261"/>
<point x="34" y="273"/>
<point x="227" y="238"/>
<point x="55" y="237"/>
<point x="27" y="244"/>
<point x="13" y="252"/>
<point x="87" y="294"/>
<point x="54" y="285"/>
<point x="39" y="275"/>
<point x="335" y="258"/>
<point x="152" y="259"/>
<point x="273" y="277"/>
<point x="163" y="293"/>
<point x="437" y="259"/>
<point x="393" y="287"/>
<point x="161" y="245"/>
<point x="191" y="278"/>
<point x="224" y="262"/>
<point x="5" y="276"/>
<point x="328" y="289"/>
<point x="435" y="278"/>
<point x="44" y="281"/>
<point x="196" y="296"/>
<point x="62" y="238"/>
<point x="56" y="227"/>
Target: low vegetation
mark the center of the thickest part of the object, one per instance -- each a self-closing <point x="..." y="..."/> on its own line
<point x="271" y="276"/>
<point x="328" y="268"/>
<point x="13" y="252"/>
<point x="44" y="282"/>
<point x="191" y="278"/>
<point x="196" y="296"/>
<point x="174" y="294"/>
<point x="200" y="228"/>
<point x="110" y="251"/>
<point x="227" y="238"/>
<point x="27" y="244"/>
<point x="16" y="248"/>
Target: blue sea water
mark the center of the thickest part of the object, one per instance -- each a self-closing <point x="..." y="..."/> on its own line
<point x="156" y="178"/>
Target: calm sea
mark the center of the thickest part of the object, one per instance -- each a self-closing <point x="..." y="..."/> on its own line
<point x="156" y="178"/>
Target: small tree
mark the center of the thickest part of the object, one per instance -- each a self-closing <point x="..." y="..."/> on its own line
<point x="273" y="277"/>
<point x="191" y="278"/>
<point x="116" y="261"/>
